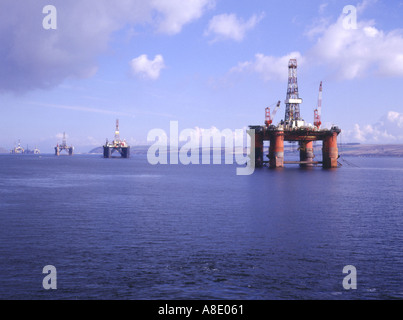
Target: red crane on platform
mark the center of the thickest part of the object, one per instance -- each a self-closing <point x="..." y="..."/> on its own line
<point x="318" y="111"/>
<point x="270" y="117"/>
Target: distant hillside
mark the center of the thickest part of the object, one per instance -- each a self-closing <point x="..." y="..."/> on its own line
<point x="2" y="150"/>
<point x="97" y="150"/>
<point x="376" y="150"/>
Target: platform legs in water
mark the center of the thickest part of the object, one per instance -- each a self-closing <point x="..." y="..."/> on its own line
<point x="123" y="151"/>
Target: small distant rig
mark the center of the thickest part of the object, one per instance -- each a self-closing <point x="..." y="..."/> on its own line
<point x="294" y="129"/>
<point x="20" y="150"/>
<point x="117" y="145"/>
<point x="64" y="147"/>
<point x="17" y="149"/>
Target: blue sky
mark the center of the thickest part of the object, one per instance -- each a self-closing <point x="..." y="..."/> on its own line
<point x="204" y="63"/>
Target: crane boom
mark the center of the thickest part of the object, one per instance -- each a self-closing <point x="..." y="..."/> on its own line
<point x="270" y="116"/>
<point x="276" y="109"/>
<point x="268" y="121"/>
<point x="318" y="110"/>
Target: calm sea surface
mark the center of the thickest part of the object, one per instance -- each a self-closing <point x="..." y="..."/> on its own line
<point x="124" y="229"/>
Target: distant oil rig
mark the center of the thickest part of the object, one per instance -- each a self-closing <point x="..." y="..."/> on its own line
<point x="117" y="145"/>
<point x="64" y="147"/>
<point x="294" y="129"/>
<point x="20" y="150"/>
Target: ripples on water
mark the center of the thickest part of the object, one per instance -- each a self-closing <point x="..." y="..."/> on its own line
<point x="123" y="229"/>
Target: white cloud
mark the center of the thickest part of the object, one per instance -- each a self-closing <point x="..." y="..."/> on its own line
<point x="350" y="54"/>
<point x="389" y="129"/>
<point x="176" y="13"/>
<point x="395" y="118"/>
<point x="344" y="53"/>
<point x="229" y="26"/>
<point x="80" y="109"/>
<point x="269" y="67"/>
<point x="318" y="27"/>
<point x="150" y="69"/>
<point x="365" y="4"/>
<point x="322" y="8"/>
<point x="31" y="57"/>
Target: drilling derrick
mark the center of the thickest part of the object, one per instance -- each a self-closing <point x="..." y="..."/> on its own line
<point x="117" y="145"/>
<point x="294" y="129"/>
<point x="292" y="109"/>
<point x="117" y="136"/>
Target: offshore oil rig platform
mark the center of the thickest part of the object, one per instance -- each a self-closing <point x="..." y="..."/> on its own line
<point x="20" y="150"/>
<point x="294" y="129"/>
<point x="17" y="149"/>
<point x="117" y="145"/>
<point x="64" y="147"/>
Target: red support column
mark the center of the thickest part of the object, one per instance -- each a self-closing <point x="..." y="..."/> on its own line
<point x="330" y="151"/>
<point x="258" y="150"/>
<point x="306" y="153"/>
<point x="276" y="153"/>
